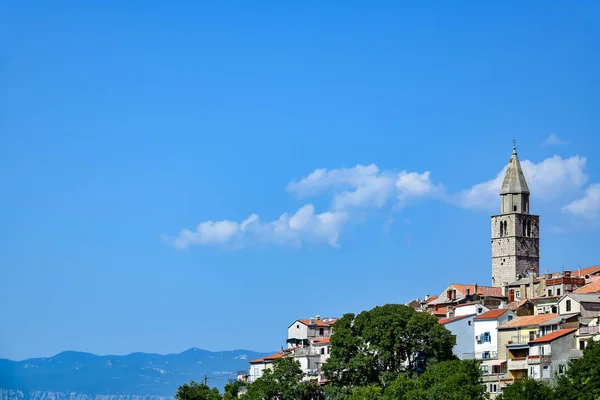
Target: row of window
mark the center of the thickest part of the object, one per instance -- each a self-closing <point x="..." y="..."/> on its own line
<point x="526" y="228"/>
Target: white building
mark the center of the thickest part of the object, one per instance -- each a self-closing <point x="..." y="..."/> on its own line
<point x="461" y="326"/>
<point x="469" y="309"/>
<point x="308" y="343"/>
<point x="486" y="332"/>
<point x="260" y="365"/>
<point x="302" y="330"/>
<point x="550" y="354"/>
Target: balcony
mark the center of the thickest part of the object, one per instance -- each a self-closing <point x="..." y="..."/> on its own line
<point x="494" y="377"/>
<point x="575" y="353"/>
<point x="545" y="359"/>
<point x="480" y="355"/>
<point x="517" y="363"/>
<point x="589" y="330"/>
<point x="523" y="339"/>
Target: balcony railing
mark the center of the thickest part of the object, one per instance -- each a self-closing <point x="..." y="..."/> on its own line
<point x="517" y="363"/>
<point x="523" y="339"/>
<point x="307" y="351"/>
<point x="588" y="330"/>
<point x="483" y="356"/>
<point x="575" y="353"/>
<point x="486" y="378"/>
<point x="545" y="359"/>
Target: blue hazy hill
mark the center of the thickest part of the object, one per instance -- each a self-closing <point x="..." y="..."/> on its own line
<point x="133" y="374"/>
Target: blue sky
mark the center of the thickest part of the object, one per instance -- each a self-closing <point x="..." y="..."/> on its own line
<point x="202" y="174"/>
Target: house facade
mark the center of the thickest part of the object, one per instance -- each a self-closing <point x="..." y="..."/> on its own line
<point x="462" y="328"/>
<point x="301" y="331"/>
<point x="486" y="332"/>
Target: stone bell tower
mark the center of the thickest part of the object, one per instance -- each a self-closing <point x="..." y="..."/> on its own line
<point x="515" y="232"/>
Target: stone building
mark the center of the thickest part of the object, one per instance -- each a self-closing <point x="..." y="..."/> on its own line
<point x="515" y="232"/>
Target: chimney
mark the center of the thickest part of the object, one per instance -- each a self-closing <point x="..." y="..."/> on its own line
<point x="476" y="291"/>
<point x="504" y="287"/>
<point x="312" y="320"/>
<point x="427" y="297"/>
<point x="453" y="294"/>
<point x="511" y="295"/>
<point x="567" y="273"/>
<point x="468" y="291"/>
<point x="318" y="317"/>
<point x="449" y="294"/>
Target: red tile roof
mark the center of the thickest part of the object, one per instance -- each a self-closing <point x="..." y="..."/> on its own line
<point x="432" y="298"/>
<point x="317" y="322"/>
<point x="593" y="287"/>
<point x="321" y="341"/>
<point x="528" y="320"/>
<point x="481" y="290"/>
<point x="554" y="335"/>
<point x="492" y="314"/>
<point x="514" y="305"/>
<point x="585" y="271"/>
<point x="445" y="321"/>
<point x="268" y="358"/>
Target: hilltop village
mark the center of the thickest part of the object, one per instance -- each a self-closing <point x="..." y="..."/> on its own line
<point x="526" y="324"/>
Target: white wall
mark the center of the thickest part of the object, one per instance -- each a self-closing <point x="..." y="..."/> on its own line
<point x="463" y="330"/>
<point x="297" y="331"/>
<point x="491" y="326"/>
<point x="470" y="309"/>
<point x="562" y="306"/>
<point x="256" y="371"/>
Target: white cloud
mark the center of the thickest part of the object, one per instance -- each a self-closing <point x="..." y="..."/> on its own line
<point x="302" y="227"/>
<point x="364" y="186"/>
<point x="413" y="184"/>
<point x="588" y="206"/>
<point x="553" y="140"/>
<point x="208" y="232"/>
<point x="547" y="179"/>
<point x="360" y="186"/>
<point x="352" y="190"/>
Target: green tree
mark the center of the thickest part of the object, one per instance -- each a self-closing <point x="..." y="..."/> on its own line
<point x="284" y="381"/>
<point x="401" y="387"/>
<point x="197" y="391"/>
<point x="310" y="391"/>
<point x="370" y="392"/>
<point x="232" y="390"/>
<point x="378" y="345"/>
<point x="527" y="389"/>
<point x="449" y="380"/>
<point x="582" y="378"/>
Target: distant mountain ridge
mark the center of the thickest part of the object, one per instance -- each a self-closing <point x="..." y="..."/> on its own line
<point x="73" y="375"/>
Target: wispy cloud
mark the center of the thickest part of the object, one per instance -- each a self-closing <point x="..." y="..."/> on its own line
<point x="553" y="140"/>
<point x="588" y="206"/>
<point x="366" y="187"/>
<point x="548" y="179"/>
<point x="292" y="230"/>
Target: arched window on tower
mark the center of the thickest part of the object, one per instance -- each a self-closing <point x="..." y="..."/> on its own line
<point x="524" y="228"/>
<point x="529" y="228"/>
<point x="501" y="228"/>
<point x="505" y="228"/>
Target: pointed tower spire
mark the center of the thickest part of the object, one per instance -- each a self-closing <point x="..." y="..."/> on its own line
<point x="514" y="180"/>
<point x="515" y="232"/>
